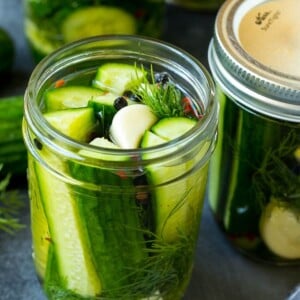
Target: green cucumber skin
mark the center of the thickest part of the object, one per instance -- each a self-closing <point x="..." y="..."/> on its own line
<point x="104" y="114"/>
<point x="118" y="77"/>
<point x="241" y="209"/>
<point x="13" y="153"/>
<point x="70" y="97"/>
<point x="56" y="221"/>
<point x="239" y="205"/>
<point x="7" y="53"/>
<point x="74" y="262"/>
<point x="49" y="16"/>
<point x="112" y="228"/>
<point x="244" y="152"/>
<point x="53" y="283"/>
<point x="220" y="165"/>
<point x="174" y="203"/>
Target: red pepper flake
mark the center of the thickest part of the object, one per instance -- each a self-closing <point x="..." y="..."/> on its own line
<point x="251" y="236"/>
<point x="187" y="106"/>
<point x="122" y="174"/>
<point x="59" y="83"/>
<point x="142" y="197"/>
<point x="140" y="13"/>
<point x="189" y="109"/>
<point x="246" y="236"/>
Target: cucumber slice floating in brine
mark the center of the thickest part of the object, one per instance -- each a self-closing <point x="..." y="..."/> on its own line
<point x="39" y="39"/>
<point x="76" y="123"/>
<point x="74" y="262"/>
<point x="177" y="201"/>
<point x="99" y="20"/>
<point x="118" y="77"/>
<point x="70" y="97"/>
<point x="280" y="230"/>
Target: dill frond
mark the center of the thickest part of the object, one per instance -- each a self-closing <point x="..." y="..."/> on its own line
<point x="276" y="177"/>
<point x="164" y="99"/>
<point x="10" y="205"/>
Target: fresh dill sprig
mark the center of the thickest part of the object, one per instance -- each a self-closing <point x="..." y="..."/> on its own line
<point x="277" y="176"/>
<point x="10" y="205"/>
<point x="164" y="99"/>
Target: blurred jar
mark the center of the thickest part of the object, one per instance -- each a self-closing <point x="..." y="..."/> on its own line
<point x="49" y="24"/>
<point x="254" y="59"/>
<point x="205" y="5"/>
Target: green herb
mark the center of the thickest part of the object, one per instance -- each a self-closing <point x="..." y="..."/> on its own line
<point x="158" y="275"/>
<point x="278" y="176"/>
<point x="10" y="205"/>
<point x="165" y="99"/>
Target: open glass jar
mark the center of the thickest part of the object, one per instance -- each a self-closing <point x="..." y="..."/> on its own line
<point x="110" y="222"/>
<point x="254" y="58"/>
<point x="49" y="24"/>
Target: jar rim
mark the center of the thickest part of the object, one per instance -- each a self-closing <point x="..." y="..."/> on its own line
<point x="251" y="83"/>
<point x="202" y="130"/>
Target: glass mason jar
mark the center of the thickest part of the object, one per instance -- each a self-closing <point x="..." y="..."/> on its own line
<point x="112" y="223"/>
<point x="254" y="191"/>
<point x="203" y="5"/>
<point x="49" y="24"/>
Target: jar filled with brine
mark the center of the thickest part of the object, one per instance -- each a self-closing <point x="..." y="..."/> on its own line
<point x="49" y="24"/>
<point x="119" y="132"/>
<point x="254" y="58"/>
<point x="199" y="5"/>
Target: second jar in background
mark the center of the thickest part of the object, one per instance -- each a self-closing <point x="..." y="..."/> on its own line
<point x="49" y="24"/>
<point x="199" y="5"/>
<point x="255" y="197"/>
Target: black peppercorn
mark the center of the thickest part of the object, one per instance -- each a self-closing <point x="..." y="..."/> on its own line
<point x="162" y="78"/>
<point x="120" y="102"/>
<point x="132" y="96"/>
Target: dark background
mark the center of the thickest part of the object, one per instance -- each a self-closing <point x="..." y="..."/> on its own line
<point x="220" y="273"/>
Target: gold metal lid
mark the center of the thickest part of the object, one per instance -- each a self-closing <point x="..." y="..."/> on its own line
<point x="255" y="55"/>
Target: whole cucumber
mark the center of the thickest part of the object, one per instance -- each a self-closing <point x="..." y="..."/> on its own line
<point x="13" y="154"/>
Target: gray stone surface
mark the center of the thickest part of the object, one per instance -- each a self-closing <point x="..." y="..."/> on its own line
<point x="220" y="273"/>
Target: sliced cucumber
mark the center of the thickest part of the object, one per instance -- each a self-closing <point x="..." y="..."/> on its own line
<point x="97" y="20"/>
<point x="216" y="165"/>
<point x="76" y="123"/>
<point x="70" y="97"/>
<point x="41" y="238"/>
<point x="105" y="110"/>
<point x="280" y="230"/>
<point x="130" y="123"/>
<point x="117" y="77"/>
<point x="39" y="40"/>
<point x="111" y="221"/>
<point x="75" y="266"/>
<point x="102" y="143"/>
<point x="151" y="139"/>
<point x="176" y="204"/>
<point x="172" y="128"/>
<point x="242" y="205"/>
<point x="297" y="154"/>
<point x="74" y="263"/>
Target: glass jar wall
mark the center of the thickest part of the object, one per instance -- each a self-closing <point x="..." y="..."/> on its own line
<point x="110" y="222"/>
<point x="255" y="196"/>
